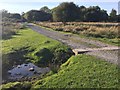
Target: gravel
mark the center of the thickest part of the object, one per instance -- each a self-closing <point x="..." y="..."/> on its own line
<point x="76" y="42"/>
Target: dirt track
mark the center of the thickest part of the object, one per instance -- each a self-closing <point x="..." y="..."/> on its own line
<point x="75" y="42"/>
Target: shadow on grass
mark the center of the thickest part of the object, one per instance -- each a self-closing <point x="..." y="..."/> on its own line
<point x="9" y="35"/>
<point x="44" y="57"/>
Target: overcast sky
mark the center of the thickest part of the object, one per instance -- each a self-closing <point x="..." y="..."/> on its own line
<point x="19" y="6"/>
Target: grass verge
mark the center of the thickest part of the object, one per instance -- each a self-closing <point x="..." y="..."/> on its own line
<point x="82" y="71"/>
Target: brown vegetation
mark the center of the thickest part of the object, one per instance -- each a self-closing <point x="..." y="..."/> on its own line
<point x="9" y="29"/>
<point x="103" y="30"/>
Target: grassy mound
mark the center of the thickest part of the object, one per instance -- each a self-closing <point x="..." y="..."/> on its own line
<point x="82" y="71"/>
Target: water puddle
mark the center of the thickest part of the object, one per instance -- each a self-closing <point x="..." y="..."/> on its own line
<point x="26" y="70"/>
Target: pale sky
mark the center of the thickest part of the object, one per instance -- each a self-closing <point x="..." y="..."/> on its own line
<point x="19" y="6"/>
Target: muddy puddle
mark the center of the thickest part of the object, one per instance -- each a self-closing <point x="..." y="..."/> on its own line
<point x="26" y="70"/>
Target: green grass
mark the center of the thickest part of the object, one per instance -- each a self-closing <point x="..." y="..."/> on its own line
<point x="17" y="86"/>
<point x="82" y="71"/>
<point x="31" y="42"/>
<point x="27" y="38"/>
<point x="114" y="41"/>
<point x="30" y="46"/>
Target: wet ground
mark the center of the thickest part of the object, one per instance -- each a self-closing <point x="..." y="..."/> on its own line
<point x="26" y="70"/>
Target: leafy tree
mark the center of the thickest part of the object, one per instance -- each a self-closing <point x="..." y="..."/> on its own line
<point x="118" y="18"/>
<point x="10" y="17"/>
<point x="45" y="9"/>
<point x="113" y="16"/>
<point x="5" y="13"/>
<point x="15" y="15"/>
<point x="113" y="13"/>
<point x="103" y="16"/>
<point x="22" y="17"/>
<point x="95" y="14"/>
<point x="66" y="11"/>
<point x="70" y="12"/>
<point x="82" y="13"/>
<point x="36" y="15"/>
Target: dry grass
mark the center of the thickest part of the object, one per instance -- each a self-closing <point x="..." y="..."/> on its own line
<point x="102" y="30"/>
<point x="9" y="29"/>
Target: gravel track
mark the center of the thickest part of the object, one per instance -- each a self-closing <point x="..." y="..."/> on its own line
<point x="75" y="42"/>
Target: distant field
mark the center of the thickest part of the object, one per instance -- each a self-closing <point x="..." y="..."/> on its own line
<point x="106" y="32"/>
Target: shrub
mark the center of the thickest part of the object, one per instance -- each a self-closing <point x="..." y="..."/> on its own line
<point x="59" y="29"/>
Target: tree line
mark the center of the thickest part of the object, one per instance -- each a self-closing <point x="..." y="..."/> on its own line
<point x="69" y="12"/>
